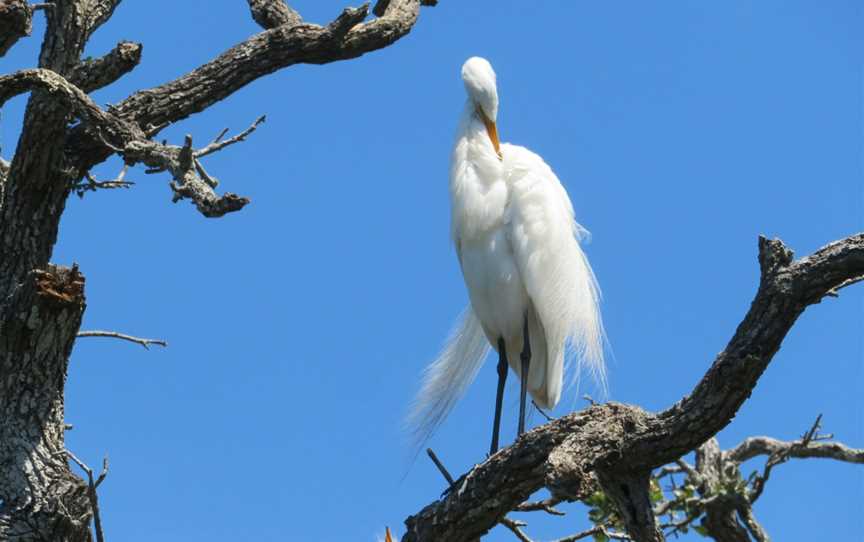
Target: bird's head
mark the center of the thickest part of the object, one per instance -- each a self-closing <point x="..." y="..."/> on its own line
<point x="479" y="79"/>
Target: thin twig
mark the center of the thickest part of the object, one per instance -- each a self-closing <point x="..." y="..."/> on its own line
<point x="92" y="485"/>
<point x="599" y="529"/>
<point x="440" y="466"/>
<point x="546" y="505"/>
<point x="780" y="457"/>
<point x="668" y="470"/>
<point x="219" y="145"/>
<point x="677" y="526"/>
<point x="220" y="136"/>
<point x="92" y="184"/>
<point x="115" y="335"/>
<point x="514" y="527"/>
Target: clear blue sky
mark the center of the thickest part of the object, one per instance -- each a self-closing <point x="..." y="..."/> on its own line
<point x="298" y="327"/>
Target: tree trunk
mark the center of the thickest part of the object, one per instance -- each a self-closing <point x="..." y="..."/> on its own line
<point x="41" y="498"/>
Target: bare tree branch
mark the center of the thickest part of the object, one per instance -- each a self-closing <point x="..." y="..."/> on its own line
<point x="92" y="485"/>
<point x="219" y="144"/>
<point x="63" y="135"/>
<point x="546" y="505"/>
<point x="92" y="185"/>
<point x="98" y="12"/>
<point x="441" y="468"/>
<point x="58" y="88"/>
<point x="115" y="335"/>
<point x="94" y="74"/>
<point x="716" y="492"/>
<point x="188" y="181"/>
<point x="756" y="446"/>
<point x="272" y="13"/>
<point x="515" y="528"/>
<point x="262" y="54"/>
<point x="623" y="443"/>
<point x="125" y="138"/>
<point x="600" y="529"/>
<point x="16" y="22"/>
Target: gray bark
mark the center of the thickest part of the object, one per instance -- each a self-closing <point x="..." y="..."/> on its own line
<point x="41" y="305"/>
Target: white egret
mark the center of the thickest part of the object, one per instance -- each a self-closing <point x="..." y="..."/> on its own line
<point x="533" y="295"/>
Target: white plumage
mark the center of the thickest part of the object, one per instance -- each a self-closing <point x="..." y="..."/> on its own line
<point x="517" y="242"/>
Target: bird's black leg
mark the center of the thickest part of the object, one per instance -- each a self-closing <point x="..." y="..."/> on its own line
<point x="499" y="397"/>
<point x="525" y="358"/>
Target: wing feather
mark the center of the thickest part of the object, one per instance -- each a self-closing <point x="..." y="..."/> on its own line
<point x="557" y="276"/>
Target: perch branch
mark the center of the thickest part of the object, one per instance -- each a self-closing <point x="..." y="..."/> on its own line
<point x="622" y="442"/>
<point x="115" y="335"/>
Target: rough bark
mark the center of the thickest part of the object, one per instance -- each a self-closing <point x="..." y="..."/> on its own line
<point x="41" y="305"/>
<point x="721" y="515"/>
<point x="93" y="74"/>
<point x="619" y="445"/>
<point x="279" y="47"/>
<point x="16" y="22"/>
<point x="273" y="13"/>
<point x="40" y="499"/>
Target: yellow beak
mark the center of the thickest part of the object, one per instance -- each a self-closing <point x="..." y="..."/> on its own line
<point x="492" y="130"/>
<point x="389" y="537"/>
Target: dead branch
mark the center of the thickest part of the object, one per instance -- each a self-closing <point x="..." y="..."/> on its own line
<point x="63" y="135"/>
<point x="515" y="528"/>
<point x="546" y="505"/>
<point x="756" y="446"/>
<point x="97" y="13"/>
<point x="618" y="445"/>
<point x="92" y="486"/>
<point x="189" y="179"/>
<point x="114" y="131"/>
<point x="272" y="13"/>
<point x="441" y="468"/>
<point x="16" y="22"/>
<point x="281" y="46"/>
<point x="218" y="144"/>
<point x="115" y="335"/>
<point x="92" y="185"/>
<point x="93" y="74"/>
<point x="126" y="139"/>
